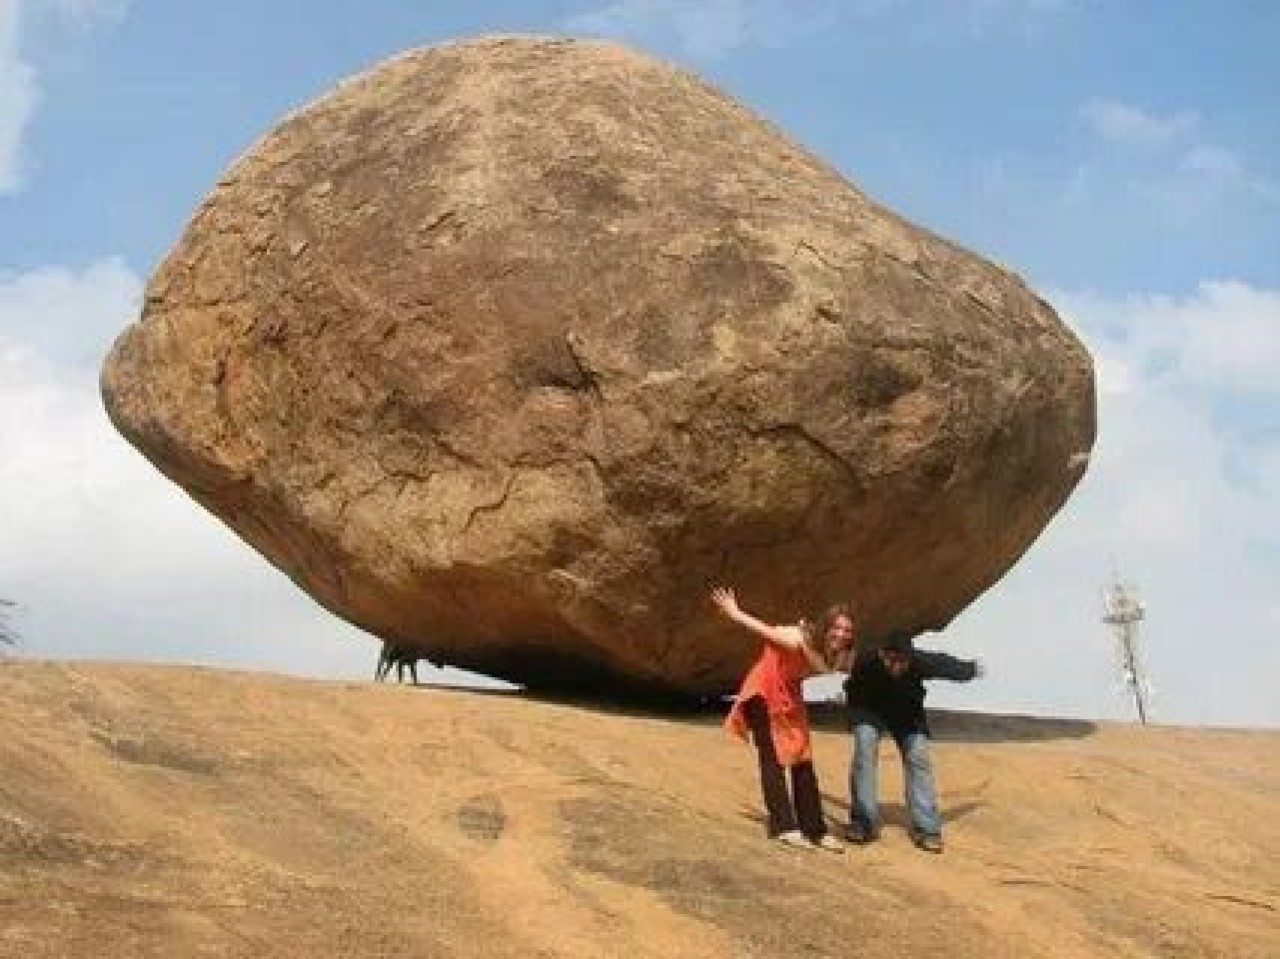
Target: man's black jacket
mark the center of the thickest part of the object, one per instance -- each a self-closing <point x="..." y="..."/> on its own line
<point x="896" y="704"/>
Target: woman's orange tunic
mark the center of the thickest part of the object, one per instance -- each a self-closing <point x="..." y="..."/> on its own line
<point x="776" y="677"/>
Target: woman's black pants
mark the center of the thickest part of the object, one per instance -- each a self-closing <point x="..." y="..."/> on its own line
<point x="802" y="807"/>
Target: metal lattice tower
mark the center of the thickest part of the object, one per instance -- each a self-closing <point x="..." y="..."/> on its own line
<point x="1123" y="612"/>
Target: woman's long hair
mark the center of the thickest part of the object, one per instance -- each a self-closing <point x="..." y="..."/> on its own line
<point x="815" y="631"/>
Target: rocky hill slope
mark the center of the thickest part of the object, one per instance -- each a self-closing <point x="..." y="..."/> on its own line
<point x="161" y="811"/>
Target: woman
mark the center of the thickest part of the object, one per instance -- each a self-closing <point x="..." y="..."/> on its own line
<point x="770" y="706"/>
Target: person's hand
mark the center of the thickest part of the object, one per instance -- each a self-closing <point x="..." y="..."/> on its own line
<point x="725" y="600"/>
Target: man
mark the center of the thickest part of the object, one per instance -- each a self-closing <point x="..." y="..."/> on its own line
<point x="885" y="693"/>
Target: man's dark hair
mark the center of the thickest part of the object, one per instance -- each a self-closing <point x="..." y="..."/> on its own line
<point x="898" y="641"/>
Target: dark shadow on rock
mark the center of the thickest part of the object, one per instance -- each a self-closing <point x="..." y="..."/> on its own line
<point x="959" y="726"/>
<point x="148" y="749"/>
<point x="571" y="674"/>
<point x="435" y="688"/>
<point x="697" y="711"/>
<point x="894" y="813"/>
<point x="946" y="725"/>
<point x="614" y="700"/>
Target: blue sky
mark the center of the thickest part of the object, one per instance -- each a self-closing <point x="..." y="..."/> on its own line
<point x="985" y="120"/>
<point x="1125" y="158"/>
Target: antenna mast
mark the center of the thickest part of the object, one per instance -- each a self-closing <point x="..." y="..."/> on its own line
<point x="1123" y="611"/>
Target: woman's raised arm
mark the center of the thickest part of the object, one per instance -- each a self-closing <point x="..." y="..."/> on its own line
<point x="790" y="637"/>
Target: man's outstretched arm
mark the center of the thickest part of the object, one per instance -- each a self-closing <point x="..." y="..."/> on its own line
<point x="935" y="665"/>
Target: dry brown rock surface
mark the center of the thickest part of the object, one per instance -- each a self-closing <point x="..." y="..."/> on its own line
<point x="160" y="812"/>
<point x="507" y="349"/>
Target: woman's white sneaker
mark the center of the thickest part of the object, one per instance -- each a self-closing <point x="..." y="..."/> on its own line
<point x="793" y="837"/>
<point x="829" y="842"/>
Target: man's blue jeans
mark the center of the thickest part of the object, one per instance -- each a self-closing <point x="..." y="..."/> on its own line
<point x="917" y="771"/>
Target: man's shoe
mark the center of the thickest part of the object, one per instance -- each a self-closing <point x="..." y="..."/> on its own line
<point x="860" y="834"/>
<point x="829" y="842"/>
<point x="928" y="841"/>
<point x="794" y="838"/>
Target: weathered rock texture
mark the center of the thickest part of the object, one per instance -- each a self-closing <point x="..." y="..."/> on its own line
<point x="160" y="812"/>
<point x="508" y="349"/>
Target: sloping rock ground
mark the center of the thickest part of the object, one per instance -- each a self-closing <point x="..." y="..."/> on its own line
<point x="160" y="811"/>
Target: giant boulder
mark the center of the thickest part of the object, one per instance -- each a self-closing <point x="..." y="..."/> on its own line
<point x="508" y="349"/>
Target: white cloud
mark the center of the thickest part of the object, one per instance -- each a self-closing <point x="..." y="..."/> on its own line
<point x="1223" y="339"/>
<point x="19" y="89"/>
<point x="83" y="13"/>
<point x="702" y="30"/>
<point x="1213" y="161"/>
<point x="1113" y="375"/>
<point x="107" y="558"/>
<point x="1175" y="171"/>
<point x="1217" y="171"/>
<point x="1030" y="20"/>
<point x="68" y="316"/>
<point x="1182" y="498"/>
<point x="711" y="29"/>
<point x="18" y="97"/>
<point x="1125" y="123"/>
